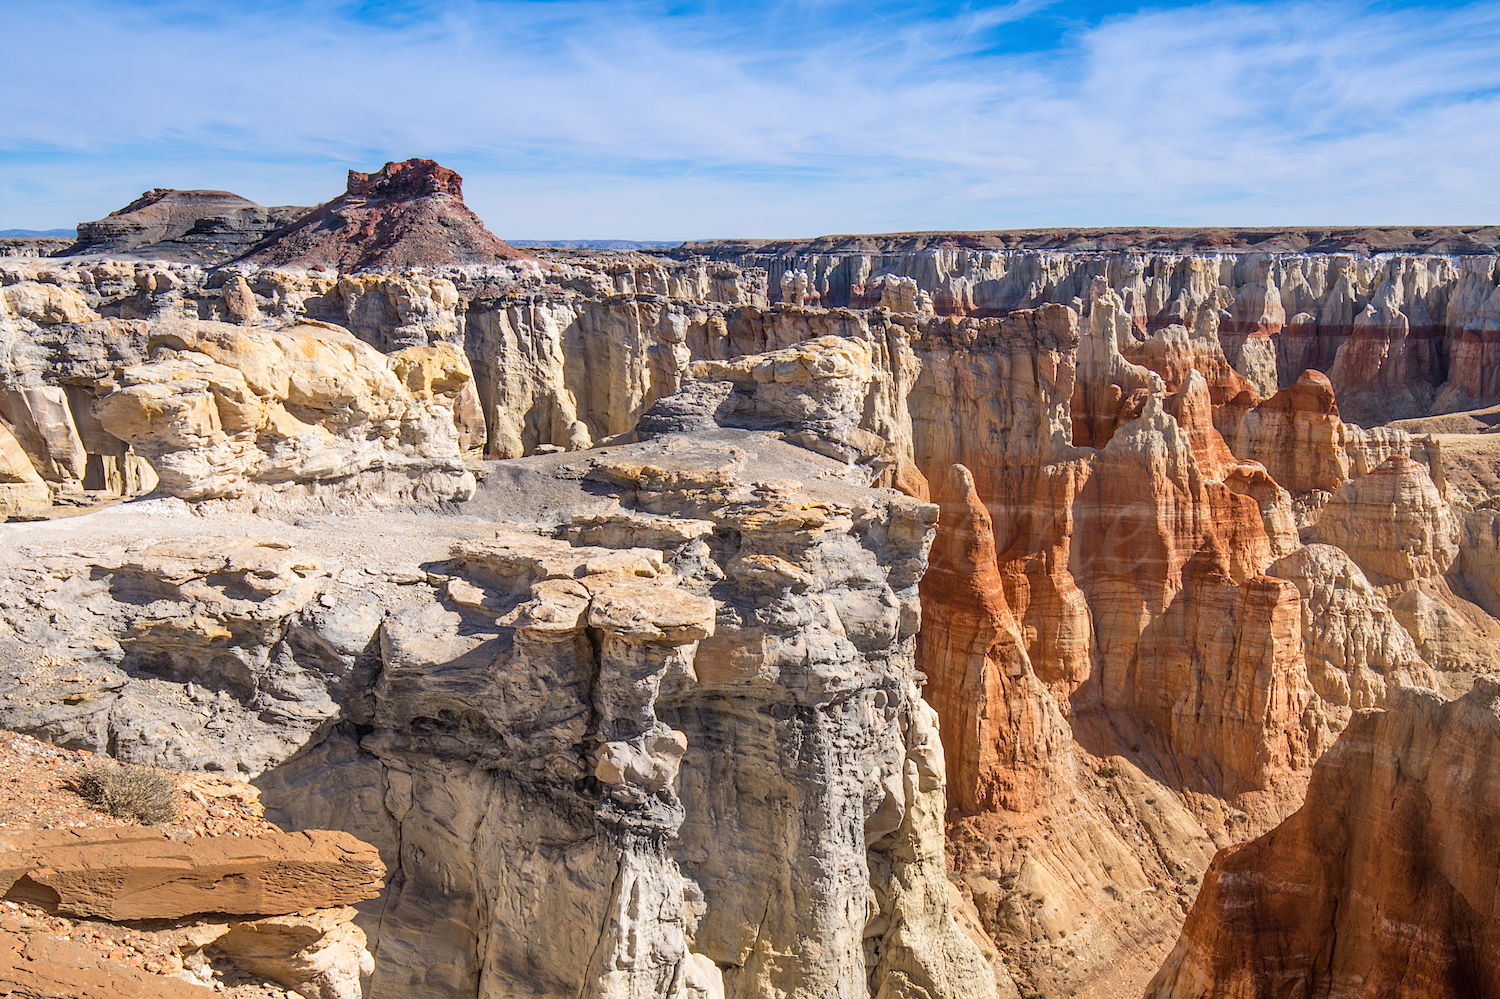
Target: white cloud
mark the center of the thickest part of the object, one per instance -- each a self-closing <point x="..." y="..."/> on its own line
<point x="610" y="119"/>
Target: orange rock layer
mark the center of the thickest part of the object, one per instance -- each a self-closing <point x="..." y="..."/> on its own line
<point x="1384" y="883"/>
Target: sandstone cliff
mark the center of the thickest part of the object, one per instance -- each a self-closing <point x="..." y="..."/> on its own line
<point x="687" y="668"/>
<point x="221" y="412"/>
<point x="95" y="905"/>
<point x="1400" y="333"/>
<point x="1382" y="884"/>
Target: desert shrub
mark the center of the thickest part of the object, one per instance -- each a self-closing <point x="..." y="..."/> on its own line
<point x="142" y="793"/>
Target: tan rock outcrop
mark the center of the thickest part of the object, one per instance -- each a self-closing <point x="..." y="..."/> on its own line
<point x="1297" y="435"/>
<point x="1479" y="557"/>
<point x="1381" y="884"/>
<point x="44" y="304"/>
<point x="1357" y="650"/>
<point x="1256" y="320"/>
<point x="621" y="703"/>
<point x="915" y="945"/>
<point x="39" y="964"/>
<point x="1002" y="730"/>
<point x="305" y="412"/>
<point x="1110" y="390"/>
<point x="239" y="300"/>
<point x="1452" y="634"/>
<point x="1393" y="522"/>
<point x="392" y="311"/>
<point x="21" y="488"/>
<point x="1126" y="611"/>
<point x="319" y="954"/>
<point x="43" y="424"/>
<point x="1171" y="563"/>
<point x="1108" y="407"/>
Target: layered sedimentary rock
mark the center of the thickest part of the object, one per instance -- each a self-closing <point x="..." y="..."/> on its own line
<point x="1357" y="650"/>
<point x="33" y="246"/>
<point x="1393" y="522"/>
<point x="1271" y="240"/>
<point x="21" y="487"/>
<point x="1159" y="523"/>
<point x="1297" y="435"/>
<point x="1383" y="883"/>
<point x="222" y="412"/>
<point x="1004" y="732"/>
<point x="1106" y="594"/>
<point x="1281" y="301"/>
<point x="270" y="905"/>
<point x="792" y="682"/>
<point x="201" y="227"/>
<point x="1133" y="657"/>
<point x="408" y="214"/>
<point x="1254" y="327"/>
<point x="715" y="727"/>
<point x="253" y="661"/>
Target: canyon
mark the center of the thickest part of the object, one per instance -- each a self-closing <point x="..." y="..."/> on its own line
<point x="913" y="615"/>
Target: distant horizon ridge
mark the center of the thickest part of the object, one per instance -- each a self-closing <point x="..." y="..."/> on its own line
<point x="601" y="243"/>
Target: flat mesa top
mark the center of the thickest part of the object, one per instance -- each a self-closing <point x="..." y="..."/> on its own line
<point x="1467" y="239"/>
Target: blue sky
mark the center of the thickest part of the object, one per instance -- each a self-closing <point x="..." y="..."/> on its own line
<point x="668" y="120"/>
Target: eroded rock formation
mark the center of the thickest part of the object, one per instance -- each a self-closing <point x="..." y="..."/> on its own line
<point x="745" y="649"/>
<point x="222" y="412"/>
<point x="214" y="896"/>
<point x="201" y="227"/>
<point x="671" y="634"/>
<point x="408" y="214"/>
<point x="125" y="874"/>
<point x="1383" y="883"/>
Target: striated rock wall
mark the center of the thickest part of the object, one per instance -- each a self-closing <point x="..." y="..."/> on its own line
<point x="202" y="227"/>
<point x="1414" y="319"/>
<point x="407" y="214"/>
<point x="731" y="743"/>
<point x="1383" y="883"/>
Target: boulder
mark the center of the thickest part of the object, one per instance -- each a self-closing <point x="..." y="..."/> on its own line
<point x="120" y="874"/>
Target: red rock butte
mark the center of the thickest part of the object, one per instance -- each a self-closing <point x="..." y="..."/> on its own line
<point x="413" y="178"/>
<point x="404" y="215"/>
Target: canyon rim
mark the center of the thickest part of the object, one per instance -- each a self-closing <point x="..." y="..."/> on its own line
<point x="913" y="616"/>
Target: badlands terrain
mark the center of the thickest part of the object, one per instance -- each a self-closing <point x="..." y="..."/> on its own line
<point x="933" y="615"/>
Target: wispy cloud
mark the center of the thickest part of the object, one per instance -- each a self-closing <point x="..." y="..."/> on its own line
<point x="662" y="119"/>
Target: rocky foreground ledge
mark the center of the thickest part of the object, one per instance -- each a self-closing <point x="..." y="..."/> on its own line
<point x="213" y="897"/>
